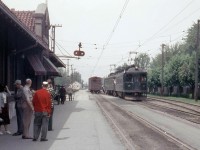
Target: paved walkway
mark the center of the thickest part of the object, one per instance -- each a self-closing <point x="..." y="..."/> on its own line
<point x="78" y="125"/>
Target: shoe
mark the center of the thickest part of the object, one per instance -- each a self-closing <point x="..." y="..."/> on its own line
<point x="7" y="132"/>
<point x="34" y="140"/>
<point x="16" y="134"/>
<point x="1" y="133"/>
<point x="24" y="137"/>
<point x="50" y="129"/>
<point x="42" y="140"/>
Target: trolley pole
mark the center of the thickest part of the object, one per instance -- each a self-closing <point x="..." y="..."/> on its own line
<point x="112" y="67"/>
<point x="162" y="72"/>
<point x="196" y="64"/>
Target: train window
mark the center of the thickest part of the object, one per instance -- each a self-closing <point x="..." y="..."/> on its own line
<point x="143" y="78"/>
<point x="129" y="78"/>
<point x="136" y="79"/>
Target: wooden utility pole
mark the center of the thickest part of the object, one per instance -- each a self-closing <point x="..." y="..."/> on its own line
<point x="196" y="64"/>
<point x="68" y="67"/>
<point x="162" y="72"/>
<point x="53" y="38"/>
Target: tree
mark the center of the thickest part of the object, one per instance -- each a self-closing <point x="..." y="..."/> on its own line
<point x="121" y="68"/>
<point x="190" y="41"/>
<point x="142" y="60"/>
<point x="186" y="71"/>
<point x="67" y="80"/>
<point x="153" y="78"/>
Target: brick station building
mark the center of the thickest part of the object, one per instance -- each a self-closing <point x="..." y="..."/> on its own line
<point x="24" y="46"/>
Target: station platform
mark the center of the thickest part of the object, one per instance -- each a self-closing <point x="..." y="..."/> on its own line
<point x="77" y="125"/>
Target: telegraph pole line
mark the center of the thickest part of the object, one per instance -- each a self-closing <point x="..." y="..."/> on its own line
<point x="196" y="64"/>
<point x="68" y="67"/>
<point x="53" y="34"/>
<point x="71" y="73"/>
<point x="162" y="72"/>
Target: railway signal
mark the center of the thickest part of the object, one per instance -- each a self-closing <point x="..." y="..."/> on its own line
<point x="79" y="52"/>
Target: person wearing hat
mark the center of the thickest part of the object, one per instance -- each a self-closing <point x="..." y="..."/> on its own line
<point x="18" y="106"/>
<point x="42" y="108"/>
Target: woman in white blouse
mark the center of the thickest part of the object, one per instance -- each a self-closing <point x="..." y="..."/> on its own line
<point x="4" y="113"/>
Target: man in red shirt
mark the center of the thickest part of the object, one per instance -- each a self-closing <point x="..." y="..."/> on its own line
<point x="42" y="108"/>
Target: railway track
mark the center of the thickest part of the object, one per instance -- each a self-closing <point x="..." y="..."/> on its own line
<point x="185" y="111"/>
<point x="178" y="103"/>
<point x="136" y="132"/>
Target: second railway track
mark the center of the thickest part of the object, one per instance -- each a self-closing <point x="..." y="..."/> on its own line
<point x="182" y="110"/>
<point x="136" y="132"/>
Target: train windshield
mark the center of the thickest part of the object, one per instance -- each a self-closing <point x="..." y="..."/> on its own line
<point x="135" y="78"/>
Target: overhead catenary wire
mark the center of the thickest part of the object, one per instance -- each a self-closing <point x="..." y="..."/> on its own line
<point x="63" y="48"/>
<point x="111" y="34"/>
<point x="149" y="39"/>
<point x="59" y="48"/>
<point x="183" y="19"/>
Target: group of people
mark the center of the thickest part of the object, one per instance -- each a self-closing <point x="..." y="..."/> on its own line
<point x="27" y="102"/>
<point x="62" y="94"/>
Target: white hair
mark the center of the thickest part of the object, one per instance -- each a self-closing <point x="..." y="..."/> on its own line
<point x="28" y="81"/>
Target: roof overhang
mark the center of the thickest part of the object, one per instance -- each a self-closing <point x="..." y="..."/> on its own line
<point x="50" y="68"/>
<point x="56" y="61"/>
<point x="6" y="11"/>
<point x="36" y="65"/>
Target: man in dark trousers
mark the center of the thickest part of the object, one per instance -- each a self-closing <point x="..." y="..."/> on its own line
<point x="42" y="108"/>
<point x="18" y="106"/>
<point x="62" y="93"/>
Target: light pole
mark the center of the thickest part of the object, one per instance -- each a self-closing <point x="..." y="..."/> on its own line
<point x="196" y="64"/>
<point x="162" y="72"/>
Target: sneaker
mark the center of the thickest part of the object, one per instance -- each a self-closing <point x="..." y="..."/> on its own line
<point x="1" y="133"/>
<point x="7" y="132"/>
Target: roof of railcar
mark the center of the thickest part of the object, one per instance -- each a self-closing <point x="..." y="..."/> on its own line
<point x="139" y="70"/>
<point x="95" y="77"/>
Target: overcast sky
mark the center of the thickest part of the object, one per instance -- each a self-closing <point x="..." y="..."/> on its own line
<point x="147" y="23"/>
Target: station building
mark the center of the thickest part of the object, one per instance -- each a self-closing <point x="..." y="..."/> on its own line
<point x="24" y="46"/>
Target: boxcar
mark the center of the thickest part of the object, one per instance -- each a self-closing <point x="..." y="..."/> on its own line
<point x="95" y="84"/>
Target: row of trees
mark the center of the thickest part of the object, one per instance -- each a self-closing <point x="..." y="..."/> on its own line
<point x="179" y="63"/>
<point x="66" y="79"/>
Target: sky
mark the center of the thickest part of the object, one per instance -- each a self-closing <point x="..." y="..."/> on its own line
<point x="110" y="29"/>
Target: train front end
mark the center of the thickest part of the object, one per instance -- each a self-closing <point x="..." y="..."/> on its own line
<point x="135" y="84"/>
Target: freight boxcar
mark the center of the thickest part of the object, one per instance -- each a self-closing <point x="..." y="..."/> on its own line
<point x="95" y="84"/>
